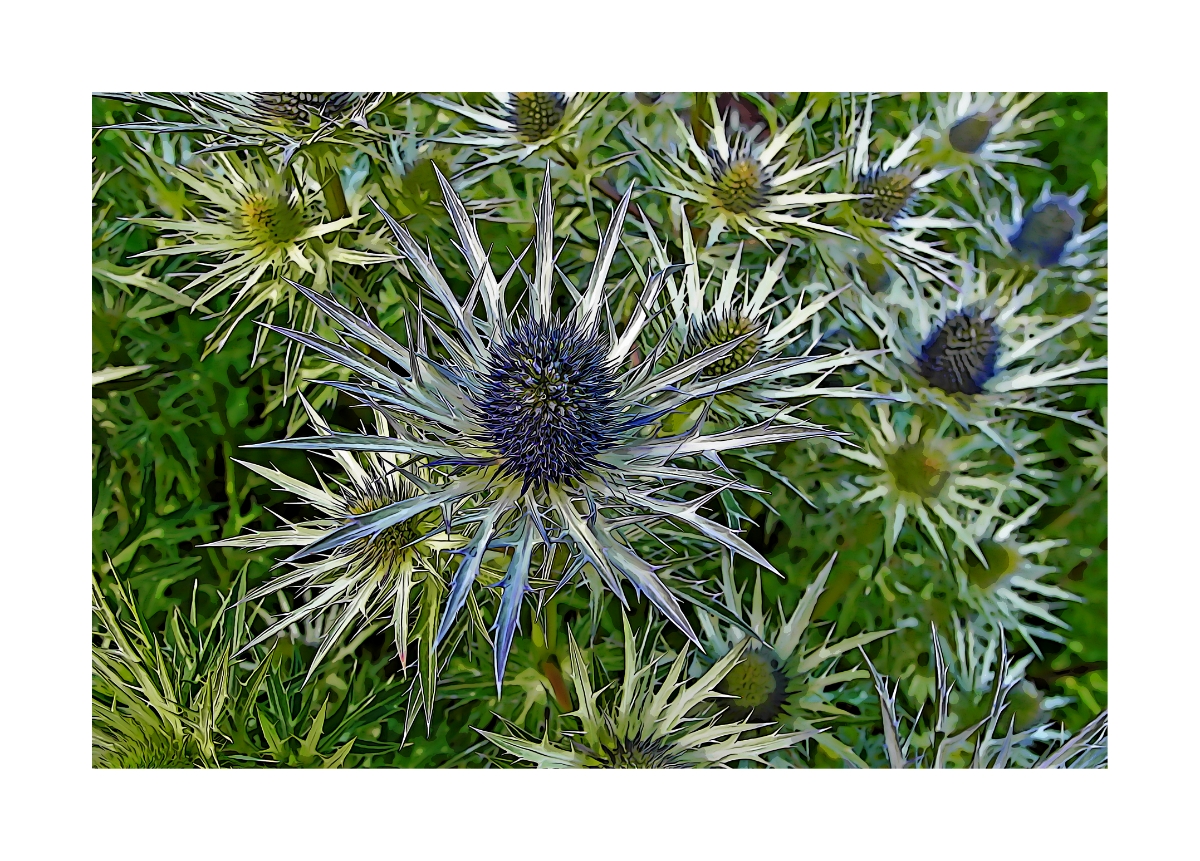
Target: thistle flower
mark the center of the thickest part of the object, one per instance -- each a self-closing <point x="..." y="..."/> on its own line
<point x="979" y="352"/>
<point x="156" y="705"/>
<point x="397" y="573"/>
<point x="978" y="745"/>
<point x="514" y="126"/>
<point x="758" y="187"/>
<point x="701" y="318"/>
<point x="922" y="471"/>
<point x="264" y="226"/>
<point x="1049" y="234"/>
<point x="655" y="722"/>
<point x="982" y="133"/>
<point x="1005" y="587"/>
<point x="538" y="418"/>
<point x="879" y="219"/>
<point x="275" y="122"/>
<point x="782" y="678"/>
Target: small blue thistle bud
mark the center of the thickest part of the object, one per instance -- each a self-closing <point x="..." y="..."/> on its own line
<point x="1045" y="232"/>
<point x="960" y="357"/>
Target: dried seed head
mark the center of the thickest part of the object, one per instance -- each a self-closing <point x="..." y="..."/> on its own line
<point x="960" y="357"/>
<point x="549" y="403"/>
<point x="536" y="114"/>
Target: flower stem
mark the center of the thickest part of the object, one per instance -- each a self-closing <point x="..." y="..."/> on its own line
<point x="603" y="186"/>
<point x="334" y="194"/>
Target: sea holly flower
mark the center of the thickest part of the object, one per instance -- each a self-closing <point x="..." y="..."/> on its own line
<point x="983" y="133"/>
<point x="783" y="678"/>
<point x="1048" y="234"/>
<point x="543" y="416"/>
<point x="939" y="741"/>
<point x="650" y="721"/>
<point x="514" y="126"/>
<point x="398" y="573"/>
<point x="283" y="123"/>
<point x="758" y="187"/>
<point x="924" y="472"/>
<point x="978" y="352"/>
<point x="263" y="227"/>
<point x="156" y="705"/>
<point x="1006" y="587"/>
<point x="879" y="219"/>
<point x="775" y="346"/>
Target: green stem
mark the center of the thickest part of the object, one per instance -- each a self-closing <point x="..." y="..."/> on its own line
<point x="334" y="194"/>
<point x="605" y="187"/>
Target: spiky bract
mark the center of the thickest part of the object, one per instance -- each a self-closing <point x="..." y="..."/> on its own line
<point x="650" y="721"/>
<point x="990" y="742"/>
<point x="538" y="416"/>
<point x="752" y="186"/>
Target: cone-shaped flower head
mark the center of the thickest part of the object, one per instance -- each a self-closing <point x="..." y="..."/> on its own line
<point x="514" y="126"/>
<point x="740" y="182"/>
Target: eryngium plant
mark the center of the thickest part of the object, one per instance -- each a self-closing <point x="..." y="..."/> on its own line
<point x="649" y="722"/>
<point x="979" y="744"/>
<point x="542" y="422"/>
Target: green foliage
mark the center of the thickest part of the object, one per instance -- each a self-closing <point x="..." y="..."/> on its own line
<point x="173" y="404"/>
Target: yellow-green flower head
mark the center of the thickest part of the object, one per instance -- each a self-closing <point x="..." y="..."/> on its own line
<point x="536" y="115"/>
<point x="754" y="186"/>
<point x="786" y="676"/>
<point x="739" y="186"/>
<point x="969" y="134"/>
<point x="883" y="209"/>
<point x="946" y="735"/>
<point x="548" y="420"/>
<point x="269" y="218"/>
<point x="888" y="194"/>
<point x="261" y="227"/>
<point x="1005" y="587"/>
<point x="514" y="126"/>
<point x="649" y="720"/>
<point x="982" y="134"/>
<point x="279" y="123"/>
<point x="984" y="350"/>
<point x="397" y="571"/>
<point x="933" y="476"/>
<point x="724" y="306"/>
<point x="715" y="330"/>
